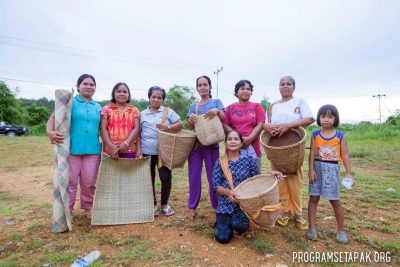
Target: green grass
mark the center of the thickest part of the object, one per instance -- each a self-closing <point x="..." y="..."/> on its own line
<point x="261" y="245"/>
<point x="383" y="245"/>
<point x="181" y="258"/>
<point x="295" y="238"/>
<point x="14" y="236"/>
<point x="36" y="225"/>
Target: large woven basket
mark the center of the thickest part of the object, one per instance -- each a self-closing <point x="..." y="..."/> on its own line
<point x="209" y="131"/>
<point x="286" y="152"/>
<point x="174" y="148"/>
<point x="124" y="192"/>
<point x="258" y="197"/>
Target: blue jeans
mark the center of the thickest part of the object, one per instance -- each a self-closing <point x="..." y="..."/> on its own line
<point x="227" y="223"/>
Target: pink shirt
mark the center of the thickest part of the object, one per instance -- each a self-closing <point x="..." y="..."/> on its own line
<point x="243" y="118"/>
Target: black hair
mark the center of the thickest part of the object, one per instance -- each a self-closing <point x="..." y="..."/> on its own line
<point x="242" y="83"/>
<point x="115" y="89"/>
<point x="240" y="136"/>
<point x="83" y="77"/>
<point x="209" y="83"/>
<point x="156" y="88"/>
<point x="290" y="78"/>
<point x="328" y="109"/>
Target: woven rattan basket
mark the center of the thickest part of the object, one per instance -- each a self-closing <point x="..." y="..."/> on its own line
<point x="209" y="131"/>
<point x="258" y="197"/>
<point x="124" y="192"/>
<point x="285" y="152"/>
<point x="174" y="148"/>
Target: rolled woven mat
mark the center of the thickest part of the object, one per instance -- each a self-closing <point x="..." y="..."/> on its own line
<point x="124" y="192"/>
<point x="62" y="114"/>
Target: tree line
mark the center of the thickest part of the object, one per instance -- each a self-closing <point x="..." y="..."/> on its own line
<point x="35" y="112"/>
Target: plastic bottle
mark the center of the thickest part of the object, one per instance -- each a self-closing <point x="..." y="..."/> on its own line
<point x="347" y="182"/>
<point x="87" y="260"/>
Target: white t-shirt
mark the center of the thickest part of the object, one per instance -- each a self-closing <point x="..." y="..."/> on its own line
<point x="290" y="111"/>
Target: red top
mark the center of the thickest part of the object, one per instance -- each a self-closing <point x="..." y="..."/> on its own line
<point x="243" y="118"/>
<point x="120" y="124"/>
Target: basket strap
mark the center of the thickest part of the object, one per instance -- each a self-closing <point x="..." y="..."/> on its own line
<point x="226" y="171"/>
<point x="165" y="114"/>
<point x="274" y="207"/>
<point x="197" y="107"/>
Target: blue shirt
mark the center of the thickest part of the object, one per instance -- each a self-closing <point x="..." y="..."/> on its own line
<point x="244" y="168"/>
<point x="85" y="123"/>
<point x="149" y="131"/>
<point x="203" y="108"/>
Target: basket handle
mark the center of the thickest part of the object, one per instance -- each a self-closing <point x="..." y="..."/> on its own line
<point x="165" y="114"/>
<point x="197" y="107"/>
<point x="227" y="172"/>
<point x="164" y="118"/>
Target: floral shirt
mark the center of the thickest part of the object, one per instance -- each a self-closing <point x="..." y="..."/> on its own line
<point x="120" y="124"/>
<point x="244" y="168"/>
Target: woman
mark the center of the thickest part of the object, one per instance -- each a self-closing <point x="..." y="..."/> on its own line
<point x="209" y="154"/>
<point x="120" y="125"/>
<point x="239" y="167"/>
<point x="84" y="158"/>
<point x="150" y="122"/>
<point x="247" y="118"/>
<point x="289" y="112"/>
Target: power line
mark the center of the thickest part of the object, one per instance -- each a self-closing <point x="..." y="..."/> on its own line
<point x="57" y="84"/>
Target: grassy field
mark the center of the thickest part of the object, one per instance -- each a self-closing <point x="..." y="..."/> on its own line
<point x="372" y="216"/>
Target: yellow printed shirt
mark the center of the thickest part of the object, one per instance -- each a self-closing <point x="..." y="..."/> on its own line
<point x="328" y="149"/>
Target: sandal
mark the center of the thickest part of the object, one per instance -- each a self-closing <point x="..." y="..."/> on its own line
<point x="168" y="211"/>
<point x="302" y="224"/>
<point x="283" y="221"/>
<point x="191" y="214"/>
<point x="156" y="211"/>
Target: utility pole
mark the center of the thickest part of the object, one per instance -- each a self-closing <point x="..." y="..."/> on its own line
<point x="217" y="73"/>
<point x="379" y="99"/>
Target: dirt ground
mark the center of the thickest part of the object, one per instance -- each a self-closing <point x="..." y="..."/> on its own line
<point x="174" y="241"/>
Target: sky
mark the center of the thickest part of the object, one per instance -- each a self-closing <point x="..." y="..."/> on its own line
<point x="339" y="52"/>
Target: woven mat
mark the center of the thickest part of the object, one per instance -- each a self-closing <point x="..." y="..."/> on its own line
<point x="62" y="122"/>
<point x="124" y="193"/>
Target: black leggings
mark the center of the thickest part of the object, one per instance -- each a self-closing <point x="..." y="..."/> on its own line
<point x="165" y="177"/>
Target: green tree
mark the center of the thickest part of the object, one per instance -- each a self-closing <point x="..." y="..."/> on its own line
<point x="37" y="114"/>
<point x="179" y="99"/>
<point x="10" y="109"/>
<point x="265" y="103"/>
<point x="394" y="119"/>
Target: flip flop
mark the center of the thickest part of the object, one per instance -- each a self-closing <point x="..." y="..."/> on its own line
<point x="191" y="214"/>
<point x="156" y="211"/>
<point x="168" y="211"/>
<point x="302" y="224"/>
<point x="283" y="220"/>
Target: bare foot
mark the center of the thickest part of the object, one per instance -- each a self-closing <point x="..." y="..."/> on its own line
<point x="191" y="214"/>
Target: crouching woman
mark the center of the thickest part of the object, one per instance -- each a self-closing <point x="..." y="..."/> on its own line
<point x="241" y="167"/>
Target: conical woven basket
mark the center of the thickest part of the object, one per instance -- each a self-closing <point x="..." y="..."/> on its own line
<point x="255" y="195"/>
<point x="285" y="152"/>
<point x="209" y="131"/>
<point x="174" y="148"/>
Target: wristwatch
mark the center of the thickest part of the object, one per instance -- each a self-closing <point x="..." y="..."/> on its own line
<point x="126" y="143"/>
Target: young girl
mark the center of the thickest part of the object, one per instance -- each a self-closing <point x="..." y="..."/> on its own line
<point x="120" y="125"/>
<point x="328" y="147"/>
<point x="209" y="154"/>
<point x="150" y="123"/>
